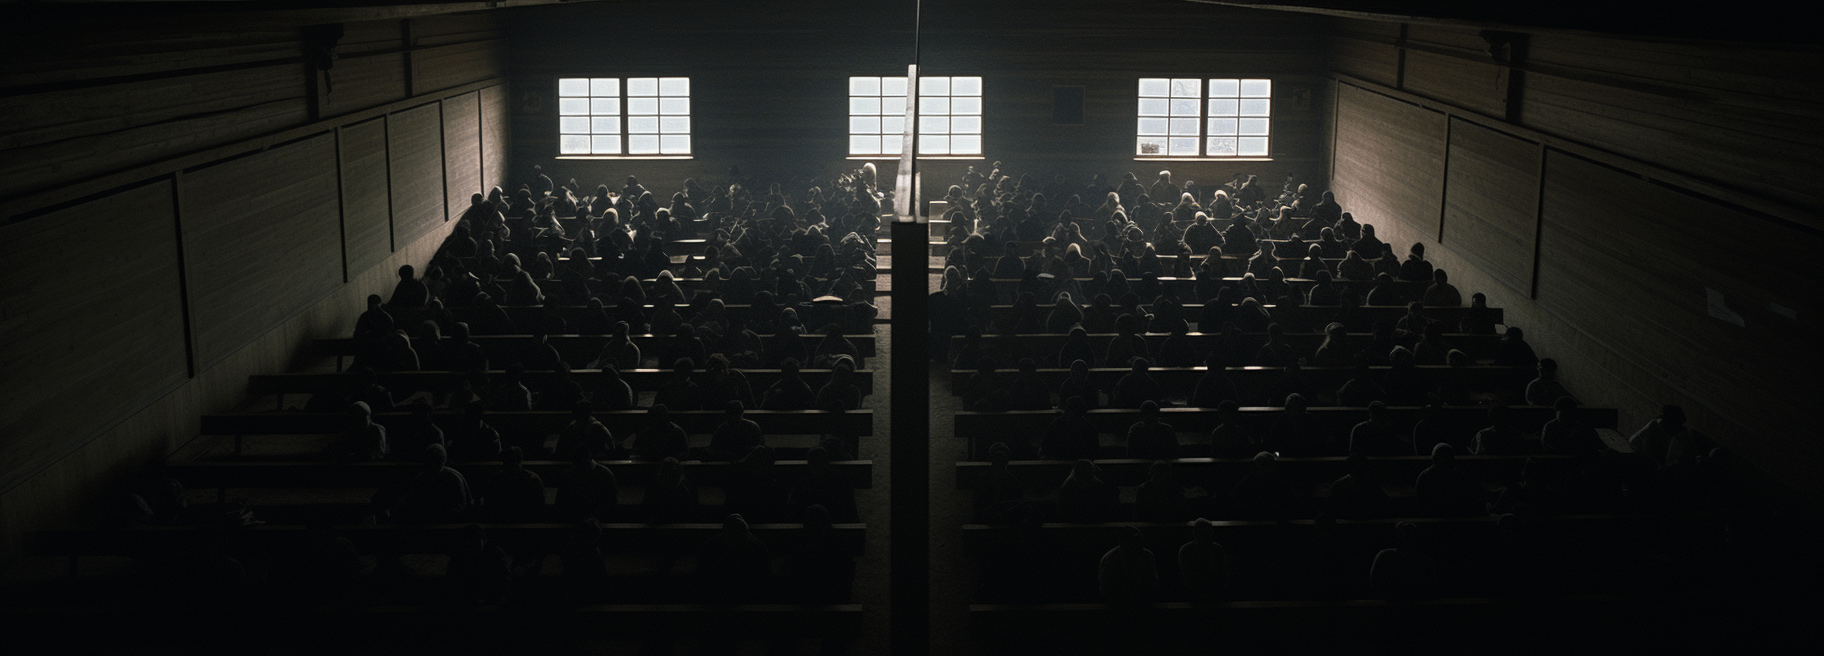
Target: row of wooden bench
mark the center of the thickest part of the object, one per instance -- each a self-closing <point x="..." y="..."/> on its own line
<point x="1327" y="379"/>
<point x="641" y="380"/>
<point x="982" y="429"/>
<point x="577" y="348"/>
<point x="1044" y="347"/>
<point x="1449" y="316"/>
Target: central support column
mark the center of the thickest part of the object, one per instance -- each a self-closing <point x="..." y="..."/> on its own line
<point x="909" y="474"/>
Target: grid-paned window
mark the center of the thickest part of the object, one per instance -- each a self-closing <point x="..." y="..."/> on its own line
<point x="1178" y="118"/>
<point x="949" y="115"/>
<point x="614" y="116"/>
<point x="877" y="115"/>
<point x="1240" y="115"/>
<point x="1169" y="112"/>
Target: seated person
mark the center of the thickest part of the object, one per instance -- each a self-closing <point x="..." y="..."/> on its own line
<point x="660" y="438"/>
<point x="1545" y="390"/>
<point x="1404" y="572"/>
<point x="790" y="392"/>
<point x="1501" y="437"/>
<point x="1565" y="435"/>
<point x="1160" y="498"/>
<point x="1441" y="293"/>
<point x="1357" y="495"/>
<point x="1446" y="489"/>
<point x="1151" y="439"/>
<point x="1666" y="441"/>
<point x="1203" y="563"/>
<point x="737" y="436"/>
<point x="1084" y="497"/>
<point x="437" y="495"/>
<point x="1070" y="436"/>
<point x="1376" y="437"/>
<point x="586" y="433"/>
<point x="1263" y="494"/>
<point x="1128" y="573"/>
<point x="514" y="493"/>
<point x="587" y="489"/>
<point x="1137" y="387"/>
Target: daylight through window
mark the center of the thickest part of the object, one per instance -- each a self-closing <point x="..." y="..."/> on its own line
<point x="652" y="117"/>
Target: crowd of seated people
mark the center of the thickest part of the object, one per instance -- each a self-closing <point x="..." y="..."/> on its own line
<point x="1117" y="280"/>
<point x="547" y="261"/>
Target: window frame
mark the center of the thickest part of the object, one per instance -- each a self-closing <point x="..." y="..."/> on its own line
<point x="1238" y="110"/>
<point x="938" y="97"/>
<point x="628" y="117"/>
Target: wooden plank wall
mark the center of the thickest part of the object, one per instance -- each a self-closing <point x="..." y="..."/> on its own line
<point x="1605" y="226"/>
<point x="461" y="151"/>
<point x="262" y="240"/>
<point x="1492" y="208"/>
<point x="414" y="139"/>
<point x="1387" y="139"/>
<point x="367" y="230"/>
<point x="140" y="287"/>
<point x="93" y="317"/>
<point x="776" y="104"/>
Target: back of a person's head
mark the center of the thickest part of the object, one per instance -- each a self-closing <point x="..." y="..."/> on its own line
<point x="1443" y="452"/>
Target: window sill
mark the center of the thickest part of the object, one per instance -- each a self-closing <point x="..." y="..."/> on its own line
<point x="625" y="157"/>
<point x="1203" y="159"/>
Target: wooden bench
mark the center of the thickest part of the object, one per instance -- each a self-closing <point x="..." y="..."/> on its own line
<point x="814" y="316"/>
<point x="1043" y="347"/>
<point x="1186" y="288"/>
<point x="1367" y="313"/>
<point x="575" y="348"/>
<point x="544" y="422"/>
<point x="1049" y="474"/>
<point x="984" y="428"/>
<point x="427" y="539"/>
<point x="1326" y="380"/>
<point x="858" y="474"/>
<point x="641" y="380"/>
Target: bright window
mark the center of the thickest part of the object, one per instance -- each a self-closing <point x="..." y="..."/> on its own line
<point x="1176" y="118"/>
<point x="877" y="115"/>
<point x="651" y="117"/>
<point x="949" y="115"/>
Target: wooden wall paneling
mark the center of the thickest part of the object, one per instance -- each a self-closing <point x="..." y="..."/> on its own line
<point x="1631" y="263"/>
<point x="1391" y="152"/>
<point x="415" y="151"/>
<point x="92" y="325"/>
<point x="449" y="66"/>
<point x="1491" y="202"/>
<point x="494" y="143"/>
<point x="358" y="82"/>
<point x="62" y="136"/>
<point x="1778" y="154"/>
<point x="1474" y="85"/>
<point x="461" y="151"/>
<point x="1365" y="49"/>
<point x="97" y="48"/>
<point x="366" y="201"/>
<point x="262" y="241"/>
